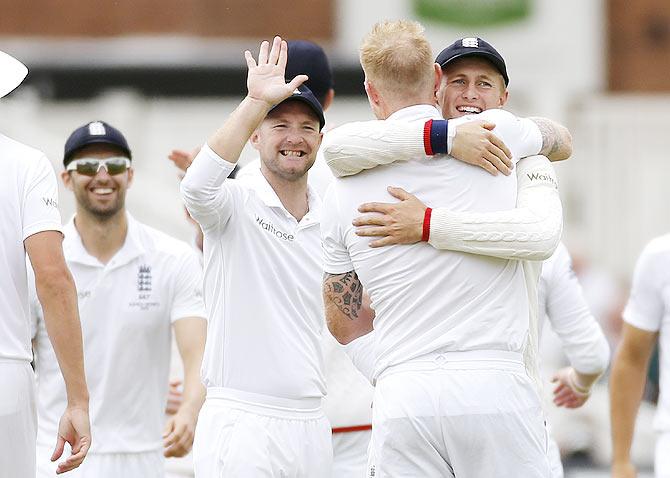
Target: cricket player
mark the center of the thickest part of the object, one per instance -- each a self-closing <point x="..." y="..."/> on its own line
<point x="452" y="394"/>
<point x="263" y="364"/>
<point x="477" y="73"/>
<point x="645" y="324"/>
<point x="136" y="285"/>
<point x="31" y="224"/>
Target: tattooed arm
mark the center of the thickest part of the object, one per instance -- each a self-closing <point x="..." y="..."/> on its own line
<point x="556" y="139"/>
<point x="348" y="313"/>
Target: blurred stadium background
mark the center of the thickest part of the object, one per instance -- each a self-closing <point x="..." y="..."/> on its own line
<point x="168" y="72"/>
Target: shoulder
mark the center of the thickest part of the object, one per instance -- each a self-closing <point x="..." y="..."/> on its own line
<point x="657" y="252"/>
<point x="158" y="242"/>
<point x="11" y="146"/>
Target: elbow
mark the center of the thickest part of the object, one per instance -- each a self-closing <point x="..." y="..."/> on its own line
<point x="564" y="151"/>
<point x="53" y="277"/>
<point x="339" y="332"/>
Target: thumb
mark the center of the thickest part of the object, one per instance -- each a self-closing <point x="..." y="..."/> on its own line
<point x="297" y="81"/>
<point x="58" y="451"/>
<point x="399" y="193"/>
<point x="488" y="125"/>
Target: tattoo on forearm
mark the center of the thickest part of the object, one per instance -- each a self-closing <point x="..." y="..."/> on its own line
<point x="552" y="138"/>
<point x="345" y="291"/>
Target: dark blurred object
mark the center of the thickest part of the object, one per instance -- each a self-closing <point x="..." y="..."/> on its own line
<point x="639" y="45"/>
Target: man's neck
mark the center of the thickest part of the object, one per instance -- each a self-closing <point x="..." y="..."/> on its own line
<point x="392" y="105"/>
<point x="102" y="237"/>
<point x="292" y="194"/>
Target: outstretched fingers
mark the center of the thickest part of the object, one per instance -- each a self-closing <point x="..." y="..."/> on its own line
<point x="263" y="53"/>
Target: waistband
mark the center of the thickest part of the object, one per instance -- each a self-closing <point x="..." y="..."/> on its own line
<point x="467" y="360"/>
<point x="265" y="404"/>
<point x="14" y="361"/>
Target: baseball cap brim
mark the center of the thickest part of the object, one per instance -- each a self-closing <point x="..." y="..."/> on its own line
<point x="482" y="54"/>
<point x="304" y="95"/>
<point x="12" y="73"/>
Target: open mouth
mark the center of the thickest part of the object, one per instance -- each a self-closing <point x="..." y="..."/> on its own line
<point x="290" y="153"/>
<point x="469" y="109"/>
<point x="102" y="191"/>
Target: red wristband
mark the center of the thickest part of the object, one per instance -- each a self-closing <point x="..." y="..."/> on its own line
<point x="426" y="225"/>
<point x="426" y="137"/>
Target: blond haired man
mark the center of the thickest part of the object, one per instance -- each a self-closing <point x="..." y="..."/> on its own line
<point x="452" y="395"/>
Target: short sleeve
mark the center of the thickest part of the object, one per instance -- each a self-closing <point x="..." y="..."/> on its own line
<point x="188" y="296"/>
<point x="40" y="200"/>
<point x="336" y="259"/>
<point x="645" y="308"/>
<point x="521" y="135"/>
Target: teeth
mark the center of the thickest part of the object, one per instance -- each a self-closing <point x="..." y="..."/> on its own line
<point x="103" y="190"/>
<point x="286" y="152"/>
<point x="469" y="109"/>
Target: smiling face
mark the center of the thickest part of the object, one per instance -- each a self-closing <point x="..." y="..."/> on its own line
<point x="288" y="140"/>
<point x="470" y="85"/>
<point x="102" y="195"/>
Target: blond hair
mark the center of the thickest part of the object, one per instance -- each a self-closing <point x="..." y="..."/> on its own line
<point x="397" y="57"/>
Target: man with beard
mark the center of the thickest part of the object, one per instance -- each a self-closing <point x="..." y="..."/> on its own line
<point x="136" y="285"/>
<point x="263" y="364"/>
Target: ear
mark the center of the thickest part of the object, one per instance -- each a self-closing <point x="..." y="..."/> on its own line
<point x="504" y="97"/>
<point x="372" y="92"/>
<point x="66" y="177"/>
<point x="438" y="80"/>
<point x="438" y="77"/>
<point x="255" y="140"/>
<point x="131" y="175"/>
<point x="328" y="100"/>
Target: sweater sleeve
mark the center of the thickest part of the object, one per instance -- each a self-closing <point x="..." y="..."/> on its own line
<point x="532" y="231"/>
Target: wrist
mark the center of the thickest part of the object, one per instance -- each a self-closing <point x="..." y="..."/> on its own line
<point x="436" y="137"/>
<point x="425" y="236"/>
<point x="258" y="103"/>
<point x="576" y="384"/>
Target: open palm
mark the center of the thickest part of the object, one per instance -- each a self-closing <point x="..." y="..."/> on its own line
<point x="265" y="80"/>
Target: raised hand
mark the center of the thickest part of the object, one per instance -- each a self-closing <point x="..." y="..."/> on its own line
<point x="265" y="80"/>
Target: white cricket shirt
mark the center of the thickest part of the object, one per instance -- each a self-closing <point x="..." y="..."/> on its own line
<point x="425" y="299"/>
<point x="262" y="283"/>
<point x="649" y="309"/>
<point x="127" y="308"/>
<point x="349" y="399"/>
<point x="28" y="205"/>
<point x="563" y="306"/>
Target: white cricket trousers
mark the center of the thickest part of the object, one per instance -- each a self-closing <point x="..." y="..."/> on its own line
<point x="350" y="453"/>
<point x="662" y="456"/>
<point x="458" y="414"/>
<point x="242" y="434"/>
<point x="18" y="419"/>
<point x="149" y="464"/>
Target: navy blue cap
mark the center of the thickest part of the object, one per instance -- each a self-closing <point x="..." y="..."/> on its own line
<point x="472" y="46"/>
<point x="95" y="132"/>
<point x="304" y="94"/>
<point x="307" y="58"/>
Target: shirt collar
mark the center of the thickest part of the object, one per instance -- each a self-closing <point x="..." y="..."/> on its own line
<point x="416" y="112"/>
<point x="267" y="194"/>
<point x="75" y="251"/>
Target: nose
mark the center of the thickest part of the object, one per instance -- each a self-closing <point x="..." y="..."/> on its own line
<point x="294" y="136"/>
<point x="470" y="92"/>
<point x="102" y="174"/>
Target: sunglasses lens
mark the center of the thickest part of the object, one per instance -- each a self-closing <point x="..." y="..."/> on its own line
<point x="87" y="168"/>
<point x="116" y="166"/>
